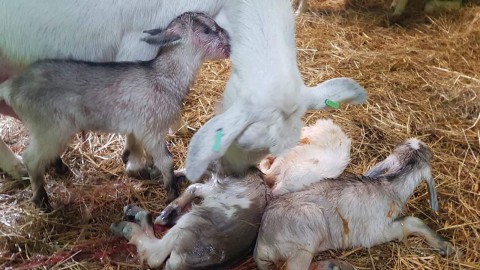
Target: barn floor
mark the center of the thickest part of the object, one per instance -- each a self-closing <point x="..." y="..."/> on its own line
<point x="423" y="79"/>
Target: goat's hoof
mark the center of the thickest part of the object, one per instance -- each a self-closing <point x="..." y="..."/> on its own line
<point x="168" y="214"/>
<point x="60" y="167"/>
<point x="143" y="216"/>
<point x="125" y="156"/>
<point x="123" y="228"/>
<point x="446" y="249"/>
<point x="17" y="170"/>
<point x="172" y="193"/>
<point x="130" y="212"/>
<point x="331" y="265"/>
<point x="142" y="174"/>
<point x="179" y="175"/>
<point x="155" y="173"/>
<point x="43" y="205"/>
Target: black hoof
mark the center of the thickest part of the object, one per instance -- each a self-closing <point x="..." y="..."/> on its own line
<point x="130" y="211"/>
<point x="180" y="176"/>
<point x="125" y="156"/>
<point x="166" y="217"/>
<point x="155" y="173"/>
<point x="60" y="167"/>
<point x="143" y="174"/>
<point x="172" y="193"/>
<point x="41" y="202"/>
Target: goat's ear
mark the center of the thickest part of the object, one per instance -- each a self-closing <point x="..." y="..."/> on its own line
<point x="152" y="32"/>
<point x="432" y="194"/>
<point x="160" y="37"/>
<point x="213" y="139"/>
<point x="388" y="166"/>
<point x="337" y="90"/>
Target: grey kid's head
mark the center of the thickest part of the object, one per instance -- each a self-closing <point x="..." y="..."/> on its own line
<point x="194" y="28"/>
<point x="410" y="156"/>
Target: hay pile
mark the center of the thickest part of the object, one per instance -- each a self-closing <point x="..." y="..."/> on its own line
<point x="423" y="80"/>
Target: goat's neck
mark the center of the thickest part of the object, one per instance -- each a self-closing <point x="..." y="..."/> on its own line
<point x="177" y="67"/>
<point x="405" y="185"/>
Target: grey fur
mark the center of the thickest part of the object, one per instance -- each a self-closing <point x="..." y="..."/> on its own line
<point x="349" y="211"/>
<point x="216" y="232"/>
<point x="58" y="98"/>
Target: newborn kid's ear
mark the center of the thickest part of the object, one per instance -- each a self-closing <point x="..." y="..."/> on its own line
<point x="160" y="37"/>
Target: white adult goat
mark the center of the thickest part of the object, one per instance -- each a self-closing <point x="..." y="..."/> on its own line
<point x="265" y="96"/>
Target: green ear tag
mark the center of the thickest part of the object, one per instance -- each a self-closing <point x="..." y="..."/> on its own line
<point x="218" y="139"/>
<point x="331" y="103"/>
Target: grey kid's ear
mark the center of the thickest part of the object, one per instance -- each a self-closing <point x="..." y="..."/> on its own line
<point x="152" y="32"/>
<point x="213" y="139"/>
<point x="388" y="166"/>
<point x="160" y="37"/>
<point x="336" y="90"/>
<point x="432" y="193"/>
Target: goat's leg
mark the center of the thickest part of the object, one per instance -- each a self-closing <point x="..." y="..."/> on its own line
<point x="60" y="167"/>
<point x="135" y="158"/>
<point x="434" y="5"/>
<point x="153" y="250"/>
<point x="175" y="207"/>
<point x="178" y="127"/>
<point x="264" y="264"/>
<point x="301" y="260"/>
<point x="398" y="7"/>
<point x="302" y="7"/>
<point x="405" y="226"/>
<point x="11" y="163"/>
<point x="43" y="149"/>
<point x="163" y="160"/>
<point x="175" y="262"/>
<point x="140" y="216"/>
<point x="331" y="265"/>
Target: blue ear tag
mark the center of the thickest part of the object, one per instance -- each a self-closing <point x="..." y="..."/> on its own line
<point x="218" y="139"/>
<point x="331" y="103"/>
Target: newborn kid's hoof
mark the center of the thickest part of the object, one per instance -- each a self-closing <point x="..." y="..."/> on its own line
<point x="124" y="229"/>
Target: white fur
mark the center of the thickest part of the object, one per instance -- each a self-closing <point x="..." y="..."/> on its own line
<point x="265" y="84"/>
<point x="323" y="152"/>
<point x="348" y="211"/>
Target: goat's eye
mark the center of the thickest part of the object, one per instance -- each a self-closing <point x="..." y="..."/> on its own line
<point x="207" y="31"/>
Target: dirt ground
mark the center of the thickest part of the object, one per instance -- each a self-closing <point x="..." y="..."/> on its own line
<point x="422" y="75"/>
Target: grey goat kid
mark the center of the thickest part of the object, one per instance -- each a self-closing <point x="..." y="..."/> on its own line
<point x="349" y="211"/>
<point x="215" y="233"/>
<point x="58" y="98"/>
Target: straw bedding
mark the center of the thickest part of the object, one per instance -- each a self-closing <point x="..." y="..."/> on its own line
<point x="423" y="79"/>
